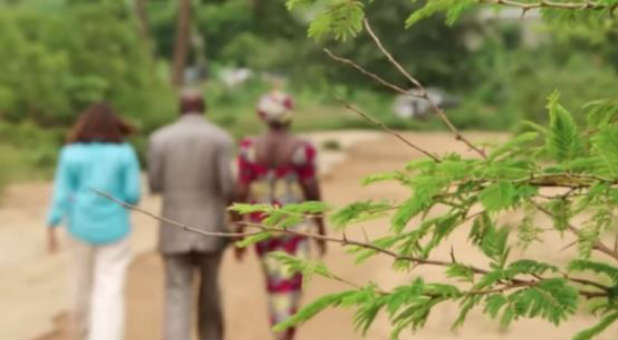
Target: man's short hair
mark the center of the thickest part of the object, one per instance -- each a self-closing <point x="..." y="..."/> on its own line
<point x="192" y="100"/>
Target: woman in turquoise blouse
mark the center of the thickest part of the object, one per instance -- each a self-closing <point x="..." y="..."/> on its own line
<point x="96" y="157"/>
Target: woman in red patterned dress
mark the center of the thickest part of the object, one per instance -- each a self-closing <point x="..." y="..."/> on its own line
<point x="279" y="168"/>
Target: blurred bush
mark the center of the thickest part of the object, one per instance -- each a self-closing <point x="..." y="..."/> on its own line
<point x="58" y="56"/>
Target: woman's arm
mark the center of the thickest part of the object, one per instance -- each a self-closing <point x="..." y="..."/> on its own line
<point x="311" y="187"/>
<point x="63" y="188"/>
<point x="132" y="191"/>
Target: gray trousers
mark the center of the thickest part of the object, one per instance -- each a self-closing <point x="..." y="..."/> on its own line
<point x="179" y="273"/>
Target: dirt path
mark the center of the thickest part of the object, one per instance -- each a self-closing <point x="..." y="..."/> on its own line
<point x="36" y="290"/>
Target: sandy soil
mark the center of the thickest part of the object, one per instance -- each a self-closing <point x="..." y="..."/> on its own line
<point x="33" y="284"/>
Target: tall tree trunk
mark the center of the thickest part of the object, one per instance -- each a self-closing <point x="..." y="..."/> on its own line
<point x="182" y="42"/>
<point x="143" y="25"/>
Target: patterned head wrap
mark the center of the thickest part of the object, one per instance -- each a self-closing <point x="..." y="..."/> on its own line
<point x="275" y="107"/>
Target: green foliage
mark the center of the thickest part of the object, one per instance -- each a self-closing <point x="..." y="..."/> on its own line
<point x="552" y="299"/>
<point x="604" y="147"/>
<point x="509" y="290"/>
<point x="452" y="8"/>
<point x="563" y="140"/>
<point x="595" y="330"/>
<point x="359" y="212"/>
<point x="313" y="308"/>
<point x="596" y="267"/>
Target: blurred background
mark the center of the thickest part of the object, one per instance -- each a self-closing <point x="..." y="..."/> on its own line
<point x="58" y="56"/>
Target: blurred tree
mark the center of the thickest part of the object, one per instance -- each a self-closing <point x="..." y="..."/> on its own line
<point x="181" y="46"/>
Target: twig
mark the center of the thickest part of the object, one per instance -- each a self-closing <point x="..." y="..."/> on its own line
<point x="423" y="92"/>
<point x="520" y="284"/>
<point x="170" y="221"/>
<point x="548" y="4"/>
<point x="390" y="131"/>
<point x="586" y="282"/>
<point x="366" y="72"/>
<point x="344" y="241"/>
<point x="598" y="245"/>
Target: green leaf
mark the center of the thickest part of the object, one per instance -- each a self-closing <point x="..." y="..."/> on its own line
<point x="246" y="208"/>
<point x="359" y="212"/>
<point x="525" y="266"/>
<point x="563" y="140"/>
<point x="383" y="243"/>
<point x="342" y="19"/>
<point x="313" y="308"/>
<point x="595" y="330"/>
<point x="601" y="112"/>
<point x="551" y="299"/>
<point x="422" y="199"/>
<point x="249" y="240"/>
<point x="605" y="144"/>
<point x="293" y="4"/>
<point x="493" y="303"/>
<point x="466" y="306"/>
<point x="306" y="207"/>
<point x="527" y="231"/>
<point x="494" y="243"/>
<point x="596" y="267"/>
<point x="460" y="271"/>
<point x="452" y="8"/>
<point x="385" y="176"/>
<point x="502" y="195"/>
<point x="513" y="145"/>
<point x="561" y="213"/>
<point x="498" y="196"/>
<point x="444" y="225"/>
<point x="421" y="164"/>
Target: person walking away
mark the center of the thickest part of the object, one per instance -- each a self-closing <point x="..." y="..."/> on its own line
<point x="189" y="163"/>
<point x="96" y="157"/>
<point x="279" y="168"/>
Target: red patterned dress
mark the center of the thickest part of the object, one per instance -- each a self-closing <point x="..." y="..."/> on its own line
<point x="278" y="185"/>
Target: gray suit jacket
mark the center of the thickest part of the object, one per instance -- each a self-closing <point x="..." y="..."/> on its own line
<point x="189" y="164"/>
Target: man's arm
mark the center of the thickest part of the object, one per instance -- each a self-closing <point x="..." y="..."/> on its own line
<point x="155" y="167"/>
<point x="224" y="171"/>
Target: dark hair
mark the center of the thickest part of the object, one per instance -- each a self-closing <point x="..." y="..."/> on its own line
<point x="278" y="126"/>
<point x="191" y="101"/>
<point x="99" y="123"/>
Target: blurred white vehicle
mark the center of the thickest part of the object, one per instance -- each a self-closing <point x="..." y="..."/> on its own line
<point x="412" y="106"/>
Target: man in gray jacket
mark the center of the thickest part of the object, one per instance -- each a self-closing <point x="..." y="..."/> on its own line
<point x="189" y="164"/>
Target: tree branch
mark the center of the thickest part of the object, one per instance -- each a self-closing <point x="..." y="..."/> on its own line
<point x="343" y="241"/>
<point x="598" y="245"/>
<point x="514" y="283"/>
<point x="366" y="72"/>
<point x="390" y="131"/>
<point x="548" y="4"/>
<point x="423" y="92"/>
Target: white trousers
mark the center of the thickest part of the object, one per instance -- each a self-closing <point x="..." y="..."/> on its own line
<point x="97" y="282"/>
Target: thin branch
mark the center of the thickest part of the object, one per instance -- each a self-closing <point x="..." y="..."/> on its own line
<point x="548" y="4"/>
<point x="514" y="283"/>
<point x="170" y="221"/>
<point x="528" y="284"/>
<point x="423" y="92"/>
<point x="598" y="245"/>
<point x="366" y="72"/>
<point x="390" y="131"/>
<point x="587" y="282"/>
<point x="344" y="240"/>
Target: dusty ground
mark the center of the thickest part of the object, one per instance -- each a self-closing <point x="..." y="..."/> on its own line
<point x="33" y="284"/>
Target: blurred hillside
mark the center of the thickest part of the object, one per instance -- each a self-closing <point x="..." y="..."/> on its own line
<point x="58" y="56"/>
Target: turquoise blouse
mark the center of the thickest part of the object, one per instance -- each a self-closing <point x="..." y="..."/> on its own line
<point x="109" y="167"/>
